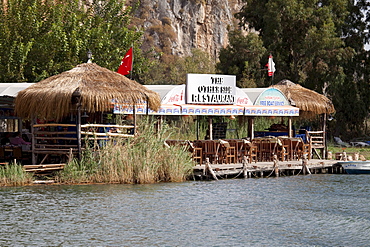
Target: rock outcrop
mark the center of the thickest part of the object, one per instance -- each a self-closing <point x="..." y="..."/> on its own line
<point x="177" y="26"/>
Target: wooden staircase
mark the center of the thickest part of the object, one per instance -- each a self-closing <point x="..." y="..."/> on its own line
<point x="317" y="143"/>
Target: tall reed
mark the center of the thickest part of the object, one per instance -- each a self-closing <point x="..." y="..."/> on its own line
<point x="14" y="175"/>
<point x="142" y="159"/>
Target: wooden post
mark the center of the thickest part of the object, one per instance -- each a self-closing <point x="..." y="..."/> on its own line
<point x="245" y="162"/>
<point x="147" y="106"/>
<point x="134" y="109"/>
<point x="76" y="98"/>
<point x="79" y="128"/>
<point x="197" y="119"/>
<point x="33" y="141"/>
<point x="325" y="149"/>
<point x="20" y="126"/>
<point x="159" y="125"/>
<point x="251" y="128"/>
<point x="210" y="170"/>
<point x="276" y="165"/>
<point x="304" y="165"/>
<point x="70" y="156"/>
<point x="290" y="133"/>
<point x="210" y="128"/>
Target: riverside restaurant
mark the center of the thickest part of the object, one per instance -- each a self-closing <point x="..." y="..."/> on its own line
<point x="217" y="96"/>
<point x="57" y="135"/>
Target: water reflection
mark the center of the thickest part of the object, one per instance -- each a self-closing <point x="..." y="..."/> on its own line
<point x="316" y="210"/>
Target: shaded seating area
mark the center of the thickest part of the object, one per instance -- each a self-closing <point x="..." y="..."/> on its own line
<point x="8" y="152"/>
<point x="260" y="149"/>
<point x="86" y="88"/>
<point x="311" y="105"/>
<point x="286" y="148"/>
<point x="58" y="142"/>
<point x="244" y="148"/>
<point x="14" y="146"/>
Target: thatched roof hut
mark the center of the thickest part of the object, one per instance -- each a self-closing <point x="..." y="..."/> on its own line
<point x="52" y="98"/>
<point x="309" y="102"/>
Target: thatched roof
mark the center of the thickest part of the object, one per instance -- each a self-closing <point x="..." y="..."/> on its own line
<point x="52" y="98"/>
<point x="308" y="101"/>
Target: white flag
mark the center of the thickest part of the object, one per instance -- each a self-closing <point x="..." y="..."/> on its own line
<point x="270" y="66"/>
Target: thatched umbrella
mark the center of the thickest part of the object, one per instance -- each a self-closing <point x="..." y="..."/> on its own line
<point x="309" y="102"/>
<point x="97" y="87"/>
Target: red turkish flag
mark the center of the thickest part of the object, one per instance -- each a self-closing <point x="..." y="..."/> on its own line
<point x="126" y="63"/>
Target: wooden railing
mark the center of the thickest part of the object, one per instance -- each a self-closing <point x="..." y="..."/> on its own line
<point x="104" y="131"/>
<point x="61" y="139"/>
<point x="54" y="138"/>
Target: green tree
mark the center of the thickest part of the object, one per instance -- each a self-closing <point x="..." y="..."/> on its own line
<point x="40" y="38"/>
<point x="352" y="101"/>
<point x="319" y="44"/>
<point x="303" y="36"/>
<point x="242" y="57"/>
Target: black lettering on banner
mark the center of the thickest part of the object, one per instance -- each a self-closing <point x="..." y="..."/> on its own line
<point x="217" y="80"/>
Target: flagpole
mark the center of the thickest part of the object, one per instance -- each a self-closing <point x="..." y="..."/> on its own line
<point x="132" y="63"/>
<point x="272" y="79"/>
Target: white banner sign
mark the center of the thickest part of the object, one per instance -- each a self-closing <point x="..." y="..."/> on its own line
<point x="210" y="89"/>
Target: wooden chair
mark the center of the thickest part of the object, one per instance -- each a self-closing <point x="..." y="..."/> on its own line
<point x="295" y="147"/>
<point x="248" y="149"/>
<point x="198" y="155"/>
<point x="197" y="152"/>
<point x="211" y="150"/>
<point x="283" y="153"/>
<point x="238" y="146"/>
<point x="257" y="143"/>
<point x="228" y="153"/>
<point x="252" y="153"/>
<point x="287" y="144"/>
<point x="304" y="149"/>
<point x="283" y="149"/>
<point x="268" y="148"/>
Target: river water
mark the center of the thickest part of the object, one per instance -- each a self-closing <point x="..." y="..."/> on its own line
<point x="312" y="210"/>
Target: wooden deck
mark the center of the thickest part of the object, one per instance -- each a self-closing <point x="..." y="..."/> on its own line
<point x="43" y="168"/>
<point x="265" y="169"/>
<point x="253" y="170"/>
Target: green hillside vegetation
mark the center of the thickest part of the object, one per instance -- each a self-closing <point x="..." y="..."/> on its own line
<point x="318" y="44"/>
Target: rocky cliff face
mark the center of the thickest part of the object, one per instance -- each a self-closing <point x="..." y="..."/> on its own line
<point x="177" y="26"/>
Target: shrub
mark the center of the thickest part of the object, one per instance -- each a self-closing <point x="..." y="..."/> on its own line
<point x="14" y="175"/>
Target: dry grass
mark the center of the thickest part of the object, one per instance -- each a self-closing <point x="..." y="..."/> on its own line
<point x="139" y="160"/>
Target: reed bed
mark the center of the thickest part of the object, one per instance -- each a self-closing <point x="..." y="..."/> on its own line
<point x="139" y="160"/>
<point x="13" y="174"/>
